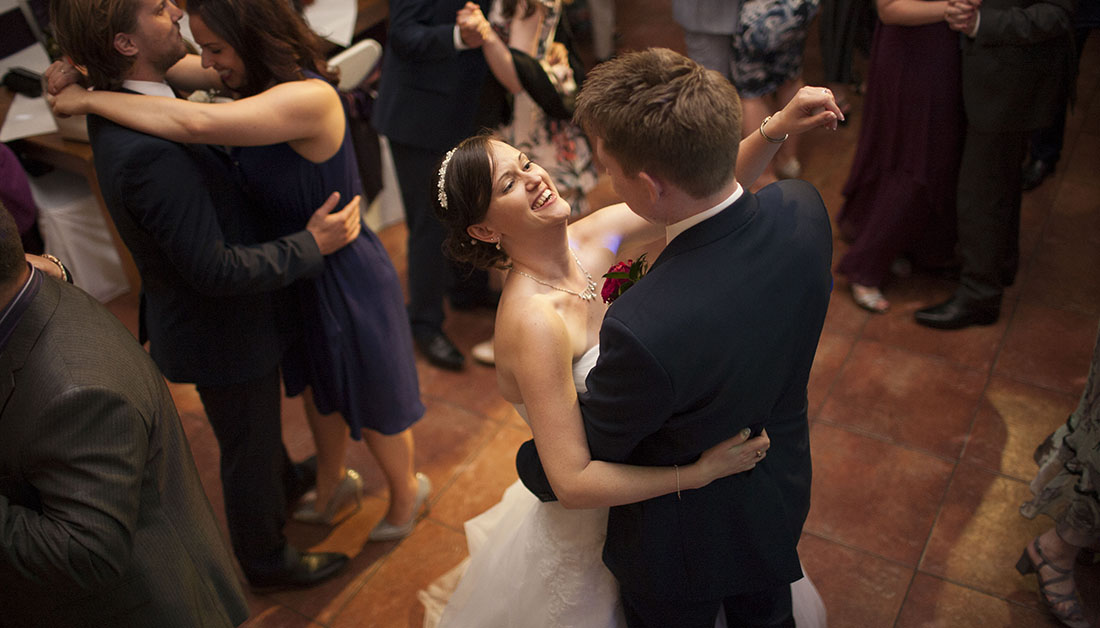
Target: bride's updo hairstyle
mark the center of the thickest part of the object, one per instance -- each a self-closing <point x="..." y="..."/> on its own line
<point x="464" y="185"/>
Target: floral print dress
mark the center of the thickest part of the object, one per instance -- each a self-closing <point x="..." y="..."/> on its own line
<point x="559" y="146"/>
<point x="1067" y="486"/>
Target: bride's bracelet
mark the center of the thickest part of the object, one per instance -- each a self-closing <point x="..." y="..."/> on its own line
<point x="677" y="467"/>
<point x="773" y="140"/>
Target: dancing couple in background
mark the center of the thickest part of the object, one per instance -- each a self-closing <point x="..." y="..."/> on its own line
<point x="348" y="345"/>
<point x="645" y="406"/>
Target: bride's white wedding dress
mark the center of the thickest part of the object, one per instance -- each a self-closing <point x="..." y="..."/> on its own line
<point x="539" y="565"/>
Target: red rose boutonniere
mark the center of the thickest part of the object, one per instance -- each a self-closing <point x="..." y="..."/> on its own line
<point x="621" y="276"/>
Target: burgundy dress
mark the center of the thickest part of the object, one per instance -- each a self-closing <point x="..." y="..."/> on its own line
<point x="901" y="189"/>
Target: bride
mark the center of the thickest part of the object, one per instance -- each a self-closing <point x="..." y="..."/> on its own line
<point x="534" y="563"/>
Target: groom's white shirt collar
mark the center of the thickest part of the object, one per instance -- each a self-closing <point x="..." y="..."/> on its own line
<point x="675" y="229"/>
<point x="149" y="88"/>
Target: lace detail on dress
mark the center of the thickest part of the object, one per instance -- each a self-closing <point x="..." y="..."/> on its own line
<point x="570" y="563"/>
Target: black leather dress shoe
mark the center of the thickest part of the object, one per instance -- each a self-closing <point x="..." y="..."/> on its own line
<point x="956" y="313"/>
<point x="1034" y="172"/>
<point x="310" y="568"/>
<point x="440" y="351"/>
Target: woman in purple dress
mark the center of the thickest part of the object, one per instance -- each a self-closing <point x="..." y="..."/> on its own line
<point x="354" y="363"/>
<point x="901" y="189"/>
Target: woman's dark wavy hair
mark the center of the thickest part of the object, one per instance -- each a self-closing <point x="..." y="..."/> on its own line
<point x="273" y="40"/>
<point x="468" y="184"/>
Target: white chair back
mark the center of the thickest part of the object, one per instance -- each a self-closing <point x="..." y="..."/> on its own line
<point x="356" y="63"/>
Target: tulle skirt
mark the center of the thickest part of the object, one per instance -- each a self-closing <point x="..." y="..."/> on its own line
<point x="538" y="565"/>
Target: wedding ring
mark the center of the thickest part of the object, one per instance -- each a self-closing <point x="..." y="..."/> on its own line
<point x="759" y="453"/>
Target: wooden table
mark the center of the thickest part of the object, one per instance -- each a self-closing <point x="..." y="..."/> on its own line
<point x="74" y="157"/>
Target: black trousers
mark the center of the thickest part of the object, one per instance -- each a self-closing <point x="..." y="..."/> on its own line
<point x="431" y="275"/>
<point x="989" y="213"/>
<point x="255" y="467"/>
<point x="1046" y="143"/>
<point x="769" y="608"/>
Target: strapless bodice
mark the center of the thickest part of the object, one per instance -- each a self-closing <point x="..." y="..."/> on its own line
<point x="580" y="374"/>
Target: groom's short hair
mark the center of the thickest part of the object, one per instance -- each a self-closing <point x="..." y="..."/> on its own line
<point x="658" y="111"/>
<point x="85" y="31"/>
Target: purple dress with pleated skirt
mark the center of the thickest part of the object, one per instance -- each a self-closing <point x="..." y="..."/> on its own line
<point x="901" y="189"/>
<point x="356" y="351"/>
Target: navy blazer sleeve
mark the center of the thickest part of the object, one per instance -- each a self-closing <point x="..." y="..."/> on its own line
<point x="1020" y="26"/>
<point x="414" y="35"/>
<point x="183" y="221"/>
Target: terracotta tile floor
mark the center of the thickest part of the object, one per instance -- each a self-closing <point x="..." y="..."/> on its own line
<point x="922" y="439"/>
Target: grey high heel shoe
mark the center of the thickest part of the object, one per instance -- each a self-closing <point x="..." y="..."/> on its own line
<point x="386" y="531"/>
<point x="350" y="488"/>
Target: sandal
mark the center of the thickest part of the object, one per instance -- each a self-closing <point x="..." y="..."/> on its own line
<point x="870" y="298"/>
<point x="1065" y="606"/>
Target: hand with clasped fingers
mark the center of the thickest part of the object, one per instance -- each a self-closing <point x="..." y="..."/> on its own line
<point x="472" y="25"/>
<point x="811" y="107"/>
<point x="60" y="75"/>
<point x="962" y="15"/>
<point x="63" y="78"/>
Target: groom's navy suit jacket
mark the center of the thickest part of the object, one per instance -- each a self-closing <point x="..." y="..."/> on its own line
<point x="719" y="335"/>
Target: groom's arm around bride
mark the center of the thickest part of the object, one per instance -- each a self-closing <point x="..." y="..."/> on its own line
<point x="718" y="336"/>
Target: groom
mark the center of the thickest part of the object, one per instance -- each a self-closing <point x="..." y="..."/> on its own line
<point x="719" y="336"/>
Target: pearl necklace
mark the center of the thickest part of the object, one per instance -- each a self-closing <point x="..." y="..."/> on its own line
<point x="588" y="294"/>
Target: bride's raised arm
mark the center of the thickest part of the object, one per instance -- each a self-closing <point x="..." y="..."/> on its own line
<point x="810" y="108"/>
<point x="535" y="349"/>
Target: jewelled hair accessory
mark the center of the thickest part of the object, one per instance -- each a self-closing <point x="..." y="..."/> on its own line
<point x="442" y="196"/>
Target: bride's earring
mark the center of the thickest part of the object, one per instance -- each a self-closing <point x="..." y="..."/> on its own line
<point x="498" y="244"/>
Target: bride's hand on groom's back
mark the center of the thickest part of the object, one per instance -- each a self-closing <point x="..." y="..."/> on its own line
<point x="734" y="455"/>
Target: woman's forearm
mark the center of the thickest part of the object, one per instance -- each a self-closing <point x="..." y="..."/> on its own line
<point x="911" y="12"/>
<point x="284" y="113"/>
<point x="602" y="484"/>
<point x="753" y="155"/>
<point x="499" y="58"/>
<point x="155" y="115"/>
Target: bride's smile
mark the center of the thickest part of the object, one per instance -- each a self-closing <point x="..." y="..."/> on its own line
<point x="516" y="175"/>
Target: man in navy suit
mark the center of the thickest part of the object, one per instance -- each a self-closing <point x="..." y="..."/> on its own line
<point x="432" y="76"/>
<point x="209" y="307"/>
<point x="718" y="336"/>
